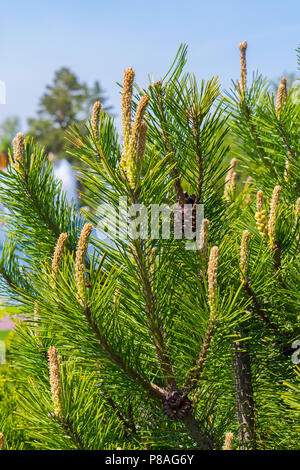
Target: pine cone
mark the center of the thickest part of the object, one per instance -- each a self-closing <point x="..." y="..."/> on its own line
<point x="187" y="216"/>
<point x="176" y="405"/>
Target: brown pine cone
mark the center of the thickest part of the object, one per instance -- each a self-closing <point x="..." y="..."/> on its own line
<point x="176" y="405"/>
<point x="185" y="215"/>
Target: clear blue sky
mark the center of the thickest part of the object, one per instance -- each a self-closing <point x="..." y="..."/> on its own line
<point x="98" y="39"/>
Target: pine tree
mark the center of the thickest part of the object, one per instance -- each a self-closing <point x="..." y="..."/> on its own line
<point x="141" y="343"/>
<point x="65" y="102"/>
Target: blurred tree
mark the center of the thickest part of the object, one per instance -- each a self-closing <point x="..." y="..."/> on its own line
<point x="65" y="102"/>
<point x="8" y="130"/>
<point x="291" y="77"/>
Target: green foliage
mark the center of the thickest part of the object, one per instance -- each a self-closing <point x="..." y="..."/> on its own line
<point x="292" y="396"/>
<point x="145" y="325"/>
<point x="11" y="424"/>
<point x="266" y="142"/>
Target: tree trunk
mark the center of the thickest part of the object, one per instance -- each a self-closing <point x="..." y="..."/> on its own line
<point x="244" y="396"/>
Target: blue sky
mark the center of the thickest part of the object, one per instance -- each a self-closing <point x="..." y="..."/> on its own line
<point x="99" y="39"/>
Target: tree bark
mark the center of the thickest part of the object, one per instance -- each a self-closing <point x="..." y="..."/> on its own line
<point x="244" y="396"/>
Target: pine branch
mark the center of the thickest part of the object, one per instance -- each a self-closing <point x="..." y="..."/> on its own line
<point x="128" y="424"/>
<point x="67" y="426"/>
<point x="175" y="174"/>
<point x="194" y="378"/>
<point x="157" y="335"/>
<point x="6" y="276"/>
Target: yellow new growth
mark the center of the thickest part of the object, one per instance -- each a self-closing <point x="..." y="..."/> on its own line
<point x="212" y="273"/>
<point x="55" y="384"/>
<point x="228" y="441"/>
<point x="260" y="214"/>
<point x="57" y="256"/>
<point x="126" y="112"/>
<point x="272" y="216"/>
<point x="281" y="96"/>
<point x="132" y="163"/>
<point x="95" y="120"/>
<point x="134" y="136"/>
<point x="80" y="262"/>
<point x="244" y="254"/>
<point x="242" y="82"/>
<point x="19" y="151"/>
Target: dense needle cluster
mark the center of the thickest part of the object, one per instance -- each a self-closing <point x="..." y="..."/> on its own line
<point x="244" y="255"/>
<point x="95" y="120"/>
<point x="228" y="442"/>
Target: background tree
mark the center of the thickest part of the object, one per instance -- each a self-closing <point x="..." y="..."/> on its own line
<point x="67" y="101"/>
<point x="141" y="343"/>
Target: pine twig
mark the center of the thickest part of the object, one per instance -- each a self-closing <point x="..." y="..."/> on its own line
<point x="67" y="426"/>
<point x="255" y="136"/>
<point x="257" y="306"/>
<point x="47" y="220"/>
<point x="128" y="424"/>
